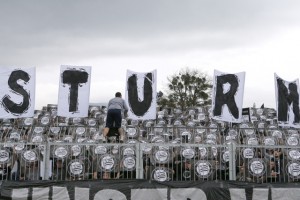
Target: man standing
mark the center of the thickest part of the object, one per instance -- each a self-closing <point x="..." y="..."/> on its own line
<point x="114" y="115"/>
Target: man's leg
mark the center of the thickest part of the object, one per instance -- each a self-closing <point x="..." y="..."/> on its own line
<point x="118" y="124"/>
<point x="104" y="134"/>
<point x="109" y="123"/>
<point x="105" y="131"/>
<point x="121" y="134"/>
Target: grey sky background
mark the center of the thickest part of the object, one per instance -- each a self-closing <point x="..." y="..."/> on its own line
<point x="260" y="37"/>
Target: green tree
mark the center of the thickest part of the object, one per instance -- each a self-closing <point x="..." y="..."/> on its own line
<point x="186" y="89"/>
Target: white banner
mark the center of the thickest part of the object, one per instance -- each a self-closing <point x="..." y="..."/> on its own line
<point x="17" y="90"/>
<point x="74" y="91"/>
<point x="227" y="96"/>
<point x="287" y="102"/>
<point x="141" y="95"/>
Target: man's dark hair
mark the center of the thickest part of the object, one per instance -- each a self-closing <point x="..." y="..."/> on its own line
<point x="118" y="94"/>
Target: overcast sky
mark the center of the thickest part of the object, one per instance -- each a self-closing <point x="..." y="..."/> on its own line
<point x="259" y="37"/>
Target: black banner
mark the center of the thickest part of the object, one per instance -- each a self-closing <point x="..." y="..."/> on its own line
<point x="148" y="190"/>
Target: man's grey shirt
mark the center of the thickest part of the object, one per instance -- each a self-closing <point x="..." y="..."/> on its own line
<point x="117" y="103"/>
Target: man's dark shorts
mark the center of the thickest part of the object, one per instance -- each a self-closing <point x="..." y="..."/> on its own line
<point x="114" y="118"/>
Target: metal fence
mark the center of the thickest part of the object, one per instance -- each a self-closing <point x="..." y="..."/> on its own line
<point x="160" y="152"/>
<point x="177" y="146"/>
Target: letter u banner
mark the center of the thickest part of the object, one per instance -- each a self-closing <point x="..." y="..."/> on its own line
<point x="17" y="91"/>
<point x="227" y="96"/>
<point x="287" y="102"/>
<point x="141" y="95"/>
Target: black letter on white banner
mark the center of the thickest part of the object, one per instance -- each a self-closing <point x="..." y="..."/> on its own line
<point x="285" y="98"/>
<point x="139" y="108"/>
<point x="12" y="83"/>
<point x="228" y="98"/>
<point x="74" y="78"/>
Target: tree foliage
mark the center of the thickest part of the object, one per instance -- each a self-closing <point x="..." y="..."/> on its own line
<point x="186" y="89"/>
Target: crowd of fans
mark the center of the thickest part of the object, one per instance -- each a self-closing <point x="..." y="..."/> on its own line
<point x="176" y="146"/>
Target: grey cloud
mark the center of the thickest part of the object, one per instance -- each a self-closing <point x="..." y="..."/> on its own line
<point x="134" y="18"/>
<point x="35" y="31"/>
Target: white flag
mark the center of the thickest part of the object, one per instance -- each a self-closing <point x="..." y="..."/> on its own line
<point x="141" y="95"/>
<point x="227" y="99"/>
<point x="74" y="91"/>
<point x="17" y="89"/>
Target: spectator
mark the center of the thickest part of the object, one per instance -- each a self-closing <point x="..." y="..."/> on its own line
<point x="106" y="175"/>
<point x="185" y="170"/>
<point x="272" y="173"/>
<point x="5" y="171"/>
<point x="115" y="108"/>
<point x="59" y="171"/>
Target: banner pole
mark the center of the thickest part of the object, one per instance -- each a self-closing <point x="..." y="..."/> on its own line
<point x="232" y="167"/>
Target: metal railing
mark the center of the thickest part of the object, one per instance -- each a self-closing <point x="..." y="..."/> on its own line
<point x="177" y="146"/>
<point x="254" y="158"/>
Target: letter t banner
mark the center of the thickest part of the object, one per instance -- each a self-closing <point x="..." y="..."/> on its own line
<point x="74" y="91"/>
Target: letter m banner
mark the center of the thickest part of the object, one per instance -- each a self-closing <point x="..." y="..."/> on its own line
<point x="287" y="102"/>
